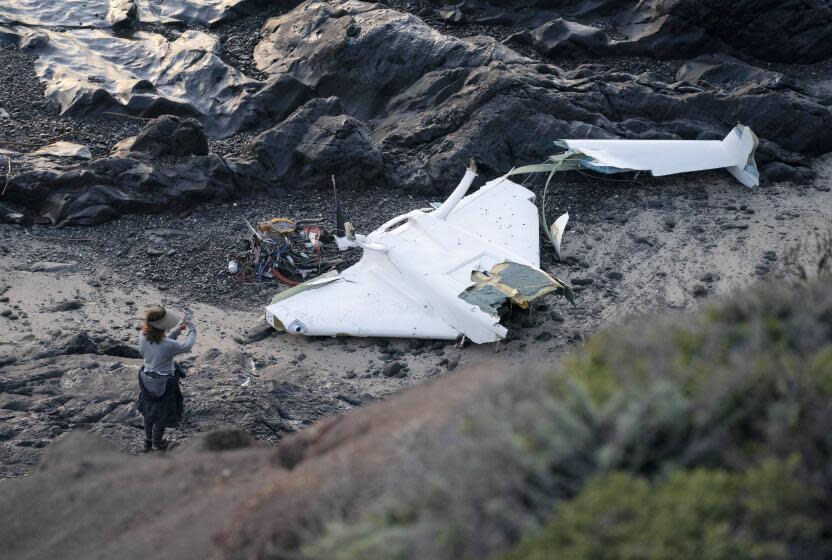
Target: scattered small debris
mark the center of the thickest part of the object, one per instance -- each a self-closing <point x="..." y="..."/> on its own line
<point x="285" y="251"/>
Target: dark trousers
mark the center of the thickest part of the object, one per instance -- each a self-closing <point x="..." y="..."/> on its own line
<point x="153" y="433"/>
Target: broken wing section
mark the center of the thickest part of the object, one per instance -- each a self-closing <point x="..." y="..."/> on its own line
<point x="364" y="300"/>
<point x="503" y="214"/>
<point x="514" y="282"/>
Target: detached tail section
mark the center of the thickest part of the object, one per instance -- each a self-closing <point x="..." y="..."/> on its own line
<point x="741" y="143"/>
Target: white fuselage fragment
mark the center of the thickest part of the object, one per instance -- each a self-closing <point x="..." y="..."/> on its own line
<point x="735" y="153"/>
<point x="414" y="268"/>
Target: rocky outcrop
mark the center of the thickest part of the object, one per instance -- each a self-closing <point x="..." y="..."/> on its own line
<point x="115" y="13"/>
<point x="363" y="53"/>
<point x="315" y="142"/>
<point x="167" y="136"/>
<point x="93" y="70"/>
<point x="371" y="94"/>
<point x="791" y="31"/>
<point x="433" y="101"/>
<point x="105" y="188"/>
<point x="784" y="31"/>
<point x="563" y="37"/>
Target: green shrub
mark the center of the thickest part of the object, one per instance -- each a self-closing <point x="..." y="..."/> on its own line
<point x="678" y="406"/>
<point x="701" y="514"/>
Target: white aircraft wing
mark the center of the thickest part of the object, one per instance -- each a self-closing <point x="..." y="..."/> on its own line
<point x="367" y="299"/>
<point x="432" y="274"/>
<point x="502" y="213"/>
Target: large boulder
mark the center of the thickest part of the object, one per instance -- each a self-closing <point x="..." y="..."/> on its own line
<point x="723" y="70"/>
<point x="316" y="141"/>
<point x="363" y="53"/>
<point x="168" y="135"/>
<point x="562" y="37"/>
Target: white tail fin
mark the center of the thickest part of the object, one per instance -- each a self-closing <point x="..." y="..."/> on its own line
<point x="741" y="143"/>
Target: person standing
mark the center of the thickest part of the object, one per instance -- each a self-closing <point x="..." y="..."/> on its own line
<point x="160" y="398"/>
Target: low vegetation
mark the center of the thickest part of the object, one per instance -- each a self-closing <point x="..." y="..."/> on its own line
<point x="707" y="514"/>
<point x="704" y="435"/>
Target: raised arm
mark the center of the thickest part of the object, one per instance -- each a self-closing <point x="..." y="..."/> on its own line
<point x="142" y="344"/>
<point x="188" y="343"/>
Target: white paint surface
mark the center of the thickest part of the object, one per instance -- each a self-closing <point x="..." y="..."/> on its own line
<point x="414" y="267"/>
<point x="667" y="157"/>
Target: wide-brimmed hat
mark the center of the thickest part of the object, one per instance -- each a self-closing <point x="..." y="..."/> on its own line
<point x="169" y="320"/>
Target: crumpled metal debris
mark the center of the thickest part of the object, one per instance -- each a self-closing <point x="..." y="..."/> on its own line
<point x="287" y="251"/>
<point x="510" y="281"/>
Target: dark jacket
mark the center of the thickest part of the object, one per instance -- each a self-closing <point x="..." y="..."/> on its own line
<point x="164" y="410"/>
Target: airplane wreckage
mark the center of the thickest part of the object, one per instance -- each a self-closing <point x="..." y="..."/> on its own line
<point x="453" y="270"/>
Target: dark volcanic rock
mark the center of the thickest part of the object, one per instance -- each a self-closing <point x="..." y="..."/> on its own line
<point x="106" y="188"/>
<point x="95" y="71"/>
<point x="362" y="53"/>
<point x="280" y="97"/>
<point x="562" y="37"/>
<point x="776" y="30"/>
<point x="69" y="305"/>
<point x="80" y="343"/>
<point x="120" y="13"/>
<point x="433" y="101"/>
<point x="779" y="171"/>
<point x="785" y="31"/>
<point x="393" y="369"/>
<point x="372" y="95"/>
<point x="316" y="141"/>
<point x="258" y="333"/>
<point x="169" y="135"/>
<point x="496" y="12"/>
<point x="727" y="70"/>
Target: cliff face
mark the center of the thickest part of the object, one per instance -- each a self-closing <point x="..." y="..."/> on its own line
<point x="408" y="97"/>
